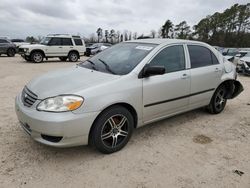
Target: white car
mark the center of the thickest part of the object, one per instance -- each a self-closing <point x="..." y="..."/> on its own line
<point x="62" y="46"/>
<point x="19" y="42"/>
<point x="131" y="84"/>
<point x="243" y="65"/>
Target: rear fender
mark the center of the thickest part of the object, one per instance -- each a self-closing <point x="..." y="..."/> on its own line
<point x="234" y="88"/>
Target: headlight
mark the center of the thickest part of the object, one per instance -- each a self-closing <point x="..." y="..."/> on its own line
<point x="26" y="49"/>
<point x="61" y="103"/>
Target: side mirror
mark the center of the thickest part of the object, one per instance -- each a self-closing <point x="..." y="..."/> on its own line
<point x="153" y="70"/>
<point x="224" y="53"/>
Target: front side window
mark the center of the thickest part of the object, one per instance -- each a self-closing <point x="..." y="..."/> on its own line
<point x="55" y="42"/>
<point x="45" y="40"/>
<point x="3" y="41"/>
<point x="172" y="58"/>
<point x="119" y="59"/>
<point x="199" y="56"/>
<point x="67" y="42"/>
<point x="78" y="42"/>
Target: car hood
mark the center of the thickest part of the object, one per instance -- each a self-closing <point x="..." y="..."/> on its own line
<point x="68" y="81"/>
<point x="32" y="46"/>
<point x="245" y="59"/>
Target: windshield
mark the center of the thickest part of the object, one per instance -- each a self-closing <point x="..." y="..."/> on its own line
<point x="247" y="54"/>
<point x="45" y="40"/>
<point x="119" y="59"/>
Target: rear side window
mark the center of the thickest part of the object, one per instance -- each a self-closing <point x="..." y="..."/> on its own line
<point x="55" y="42"/>
<point x="78" y="42"/>
<point x="199" y="56"/>
<point x="172" y="58"/>
<point x="67" y="42"/>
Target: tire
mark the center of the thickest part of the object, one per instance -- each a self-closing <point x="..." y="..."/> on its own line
<point x="112" y="130"/>
<point x="218" y="101"/>
<point x="11" y="52"/>
<point x="63" y="58"/>
<point x="73" y="56"/>
<point x="37" y="57"/>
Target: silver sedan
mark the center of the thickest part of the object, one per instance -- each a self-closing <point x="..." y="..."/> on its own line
<point x="102" y="100"/>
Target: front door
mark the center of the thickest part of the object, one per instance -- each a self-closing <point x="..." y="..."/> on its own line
<point x="54" y="48"/>
<point x="167" y="94"/>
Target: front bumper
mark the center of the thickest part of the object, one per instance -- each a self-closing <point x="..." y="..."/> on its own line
<point x="73" y="129"/>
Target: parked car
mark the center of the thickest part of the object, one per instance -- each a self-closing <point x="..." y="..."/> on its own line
<point x="230" y="53"/>
<point x="244" y="64"/>
<point x="62" y="46"/>
<point x="19" y="42"/>
<point x="7" y="47"/>
<point x="96" y="48"/>
<point x="103" y="99"/>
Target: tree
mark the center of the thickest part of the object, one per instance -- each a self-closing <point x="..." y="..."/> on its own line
<point x="106" y="35"/>
<point x="135" y="35"/>
<point x="99" y="34"/>
<point x="182" y="30"/>
<point x="166" y="29"/>
<point x="112" y="35"/>
<point x="153" y="33"/>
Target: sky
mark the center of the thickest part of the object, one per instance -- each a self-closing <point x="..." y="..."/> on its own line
<point x="21" y="18"/>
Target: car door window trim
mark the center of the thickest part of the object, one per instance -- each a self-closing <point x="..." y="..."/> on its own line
<point x="178" y="98"/>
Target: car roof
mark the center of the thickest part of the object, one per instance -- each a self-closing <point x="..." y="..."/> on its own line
<point x="64" y="35"/>
<point x="166" y="41"/>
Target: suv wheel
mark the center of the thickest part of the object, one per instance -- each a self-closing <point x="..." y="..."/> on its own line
<point x="112" y="130"/>
<point x="63" y="58"/>
<point x="37" y="57"/>
<point x="218" y="101"/>
<point x="73" y="56"/>
<point x="11" y="52"/>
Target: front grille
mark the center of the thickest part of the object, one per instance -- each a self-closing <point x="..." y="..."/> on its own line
<point x="20" y="50"/>
<point x="28" y="97"/>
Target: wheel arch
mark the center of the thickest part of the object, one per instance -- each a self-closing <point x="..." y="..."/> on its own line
<point x="233" y="88"/>
<point x="74" y="51"/>
<point x="129" y="107"/>
<point x="37" y="50"/>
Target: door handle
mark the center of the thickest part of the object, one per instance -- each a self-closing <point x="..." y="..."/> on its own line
<point x="184" y="76"/>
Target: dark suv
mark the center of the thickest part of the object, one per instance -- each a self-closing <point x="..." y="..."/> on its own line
<point x="7" y="47"/>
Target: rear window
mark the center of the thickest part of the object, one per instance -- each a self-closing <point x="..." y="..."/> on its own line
<point x="78" y="42"/>
<point x="17" y="40"/>
<point x="67" y="42"/>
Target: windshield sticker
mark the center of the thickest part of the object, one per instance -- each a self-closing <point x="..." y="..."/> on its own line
<point x="147" y="48"/>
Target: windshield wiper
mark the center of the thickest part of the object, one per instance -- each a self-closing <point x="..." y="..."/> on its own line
<point x="107" y="66"/>
<point x="91" y="62"/>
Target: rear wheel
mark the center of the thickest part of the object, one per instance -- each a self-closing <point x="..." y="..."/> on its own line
<point x="37" y="57"/>
<point x="11" y="52"/>
<point x="73" y="56"/>
<point x="112" y="130"/>
<point x="218" y="101"/>
<point x="63" y="58"/>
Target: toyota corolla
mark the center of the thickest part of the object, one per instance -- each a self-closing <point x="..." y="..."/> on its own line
<point x="103" y="99"/>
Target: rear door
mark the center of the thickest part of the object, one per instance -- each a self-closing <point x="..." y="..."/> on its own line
<point x="54" y="47"/>
<point x="67" y="45"/>
<point x="206" y="72"/>
<point x="166" y="94"/>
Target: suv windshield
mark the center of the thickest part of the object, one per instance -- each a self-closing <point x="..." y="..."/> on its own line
<point x="119" y="59"/>
<point x="45" y="40"/>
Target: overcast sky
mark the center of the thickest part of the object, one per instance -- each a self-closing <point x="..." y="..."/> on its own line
<point x="19" y="18"/>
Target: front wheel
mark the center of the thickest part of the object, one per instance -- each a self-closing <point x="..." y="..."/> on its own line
<point x="37" y="57"/>
<point x="218" y="101"/>
<point x="112" y="130"/>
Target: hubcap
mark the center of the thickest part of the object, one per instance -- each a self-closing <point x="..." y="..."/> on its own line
<point x="220" y="100"/>
<point x="38" y="57"/>
<point x="74" y="57"/>
<point x="114" y="131"/>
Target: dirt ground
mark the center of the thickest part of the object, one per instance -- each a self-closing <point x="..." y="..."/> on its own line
<point x="194" y="149"/>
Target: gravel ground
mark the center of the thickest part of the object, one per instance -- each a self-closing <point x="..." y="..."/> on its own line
<point x="194" y="149"/>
